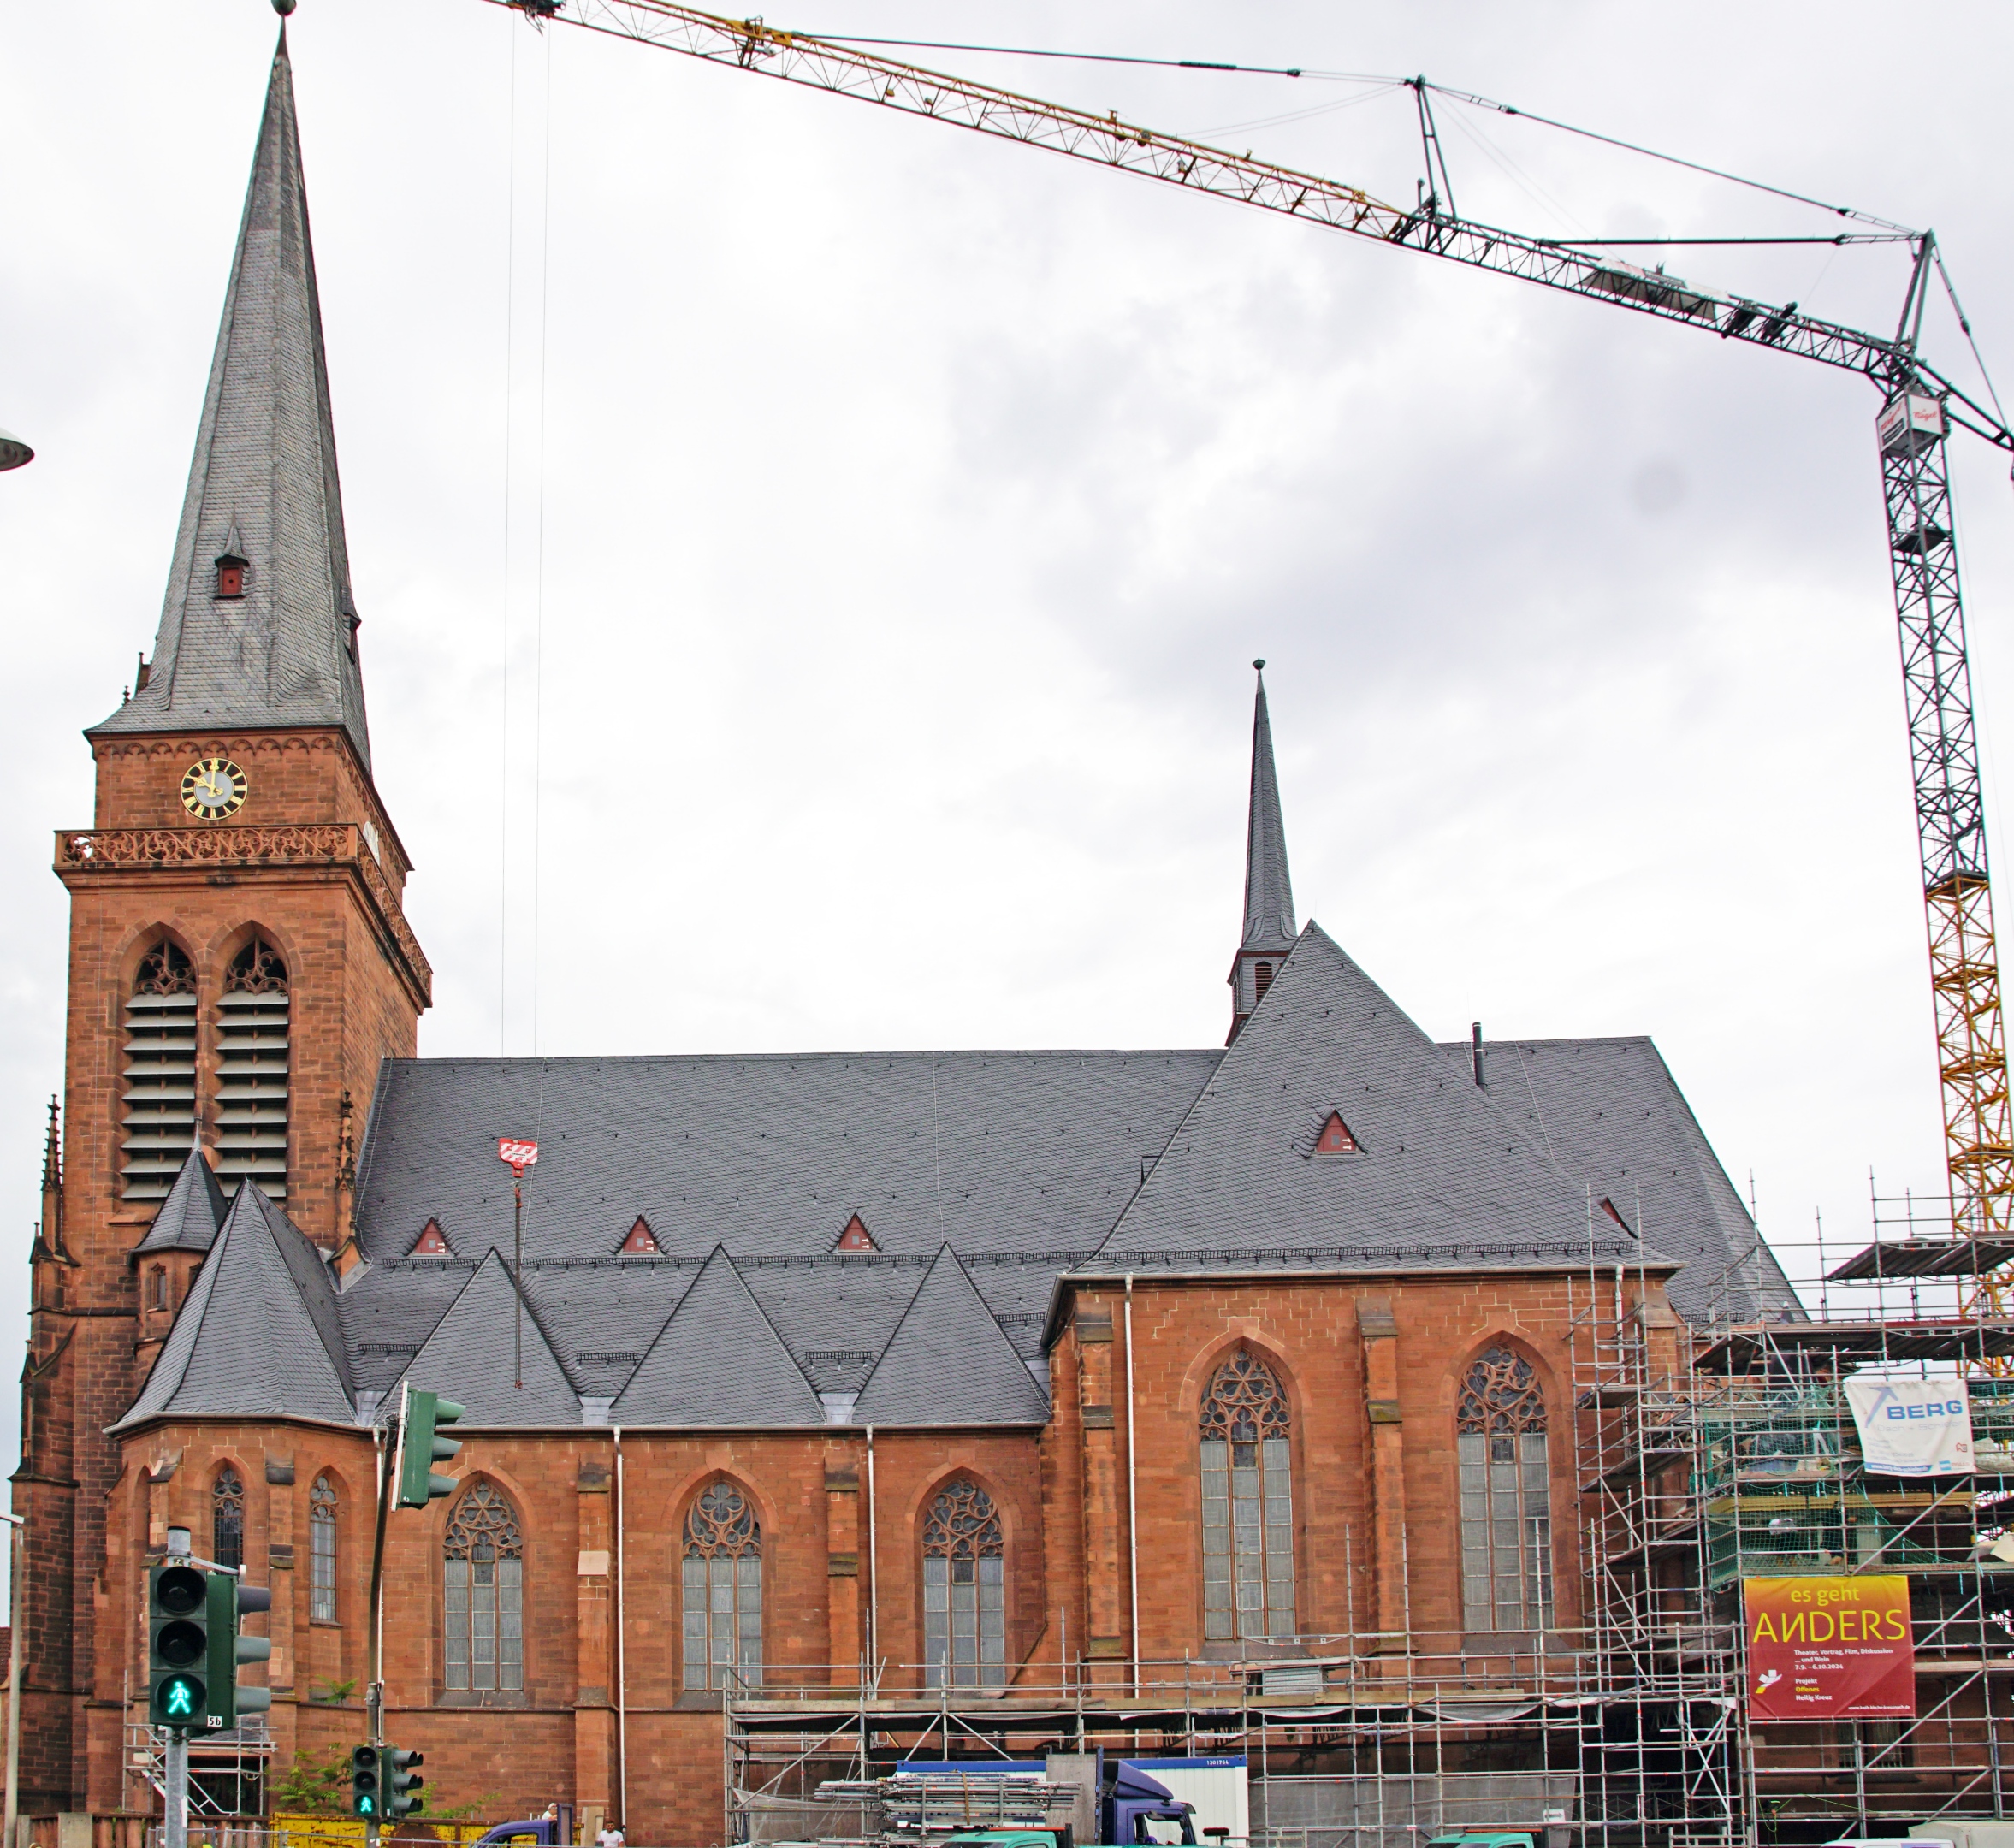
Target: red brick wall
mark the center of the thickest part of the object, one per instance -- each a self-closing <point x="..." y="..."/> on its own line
<point x="809" y="1488"/>
<point x="349" y="1009"/>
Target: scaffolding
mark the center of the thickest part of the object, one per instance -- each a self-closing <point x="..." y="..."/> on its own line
<point x="1702" y="1456"/>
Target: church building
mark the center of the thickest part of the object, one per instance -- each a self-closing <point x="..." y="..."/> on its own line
<point x="956" y="1373"/>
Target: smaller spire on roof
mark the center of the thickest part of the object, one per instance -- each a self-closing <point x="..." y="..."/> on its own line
<point x="1269" y="930"/>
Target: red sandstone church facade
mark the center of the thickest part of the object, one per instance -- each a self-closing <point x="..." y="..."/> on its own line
<point x="1204" y="1361"/>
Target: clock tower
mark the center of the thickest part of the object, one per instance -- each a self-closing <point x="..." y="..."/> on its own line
<point x="239" y="958"/>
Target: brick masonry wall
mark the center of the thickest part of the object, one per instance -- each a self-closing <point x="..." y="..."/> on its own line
<point x="89" y="1344"/>
<point x="558" y="1738"/>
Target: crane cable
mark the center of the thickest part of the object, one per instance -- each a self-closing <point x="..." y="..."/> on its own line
<point x="1368" y="77"/>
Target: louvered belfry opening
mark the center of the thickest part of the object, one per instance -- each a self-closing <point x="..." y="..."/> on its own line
<point x="160" y="1059"/>
<point x="251" y="1069"/>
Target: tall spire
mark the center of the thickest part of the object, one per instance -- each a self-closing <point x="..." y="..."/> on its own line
<point x="259" y="628"/>
<point x="1269" y="929"/>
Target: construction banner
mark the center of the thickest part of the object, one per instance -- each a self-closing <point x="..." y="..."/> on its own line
<point x="1912" y="1427"/>
<point x="1830" y="1648"/>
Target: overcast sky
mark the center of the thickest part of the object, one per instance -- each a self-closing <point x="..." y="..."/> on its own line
<point x="913" y="504"/>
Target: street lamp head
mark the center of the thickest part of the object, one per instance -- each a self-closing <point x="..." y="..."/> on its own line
<point x="12" y="450"/>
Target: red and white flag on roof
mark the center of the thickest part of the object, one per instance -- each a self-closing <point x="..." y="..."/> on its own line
<point x="520" y="1154"/>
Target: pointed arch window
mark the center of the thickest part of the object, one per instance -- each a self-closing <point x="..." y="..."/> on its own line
<point x="483" y="1576"/>
<point x="160" y="1073"/>
<point x="1247" y="1503"/>
<point x="964" y="1590"/>
<point x="158" y="1286"/>
<point x="1507" y="1570"/>
<point x="322" y="1550"/>
<point x="226" y="1518"/>
<point x="251" y="1070"/>
<point x="720" y="1584"/>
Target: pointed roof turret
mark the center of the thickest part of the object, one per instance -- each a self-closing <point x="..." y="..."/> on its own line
<point x="1269" y="929"/>
<point x="271" y="641"/>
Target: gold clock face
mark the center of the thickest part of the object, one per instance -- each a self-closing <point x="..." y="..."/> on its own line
<point x="214" y="788"/>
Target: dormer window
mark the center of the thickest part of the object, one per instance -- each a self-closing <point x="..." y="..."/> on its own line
<point x="230" y="575"/>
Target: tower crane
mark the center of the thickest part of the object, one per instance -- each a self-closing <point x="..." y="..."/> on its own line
<point x="1919" y="408"/>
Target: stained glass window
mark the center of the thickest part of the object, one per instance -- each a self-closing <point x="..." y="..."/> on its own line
<point x="1247" y="1504"/>
<point x="483" y="1576"/>
<point x="322" y="1549"/>
<point x="964" y="1590"/>
<point x="1506" y="1571"/>
<point x="227" y="1518"/>
<point x="721" y="1583"/>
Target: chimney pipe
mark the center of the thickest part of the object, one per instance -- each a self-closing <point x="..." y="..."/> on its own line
<point x="1475" y="1048"/>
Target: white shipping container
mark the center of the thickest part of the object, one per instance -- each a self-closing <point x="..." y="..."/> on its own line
<point x="1217" y="1788"/>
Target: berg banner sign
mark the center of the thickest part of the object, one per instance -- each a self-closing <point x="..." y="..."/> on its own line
<point x="1830" y="1648"/>
<point x="1912" y="1427"/>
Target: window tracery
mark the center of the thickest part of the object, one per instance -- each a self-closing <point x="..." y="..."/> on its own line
<point x="322" y="1550"/>
<point x="720" y="1580"/>
<point x="964" y="1590"/>
<point x="227" y="1518"/>
<point x="160" y="1089"/>
<point x="252" y="1075"/>
<point x="1506" y="1495"/>
<point x="482" y="1573"/>
<point x="1246" y="1430"/>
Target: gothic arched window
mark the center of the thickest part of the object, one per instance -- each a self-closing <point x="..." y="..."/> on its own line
<point x="158" y="1287"/>
<point x="227" y="1518"/>
<point x="1247" y="1504"/>
<point x="160" y="1126"/>
<point x="721" y="1581"/>
<point x="322" y="1550"/>
<point x="1507" y="1565"/>
<point x="964" y="1590"/>
<point x="251" y="1065"/>
<point x="482" y="1574"/>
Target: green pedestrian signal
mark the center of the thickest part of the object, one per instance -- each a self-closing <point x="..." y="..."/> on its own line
<point x="398" y="1779"/>
<point x="181" y="1699"/>
<point x="363" y="1784"/>
<point x="420" y="1447"/>
<point x="230" y="1603"/>
<point x="178" y="1645"/>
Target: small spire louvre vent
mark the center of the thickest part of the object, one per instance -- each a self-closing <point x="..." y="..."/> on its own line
<point x="857" y="1237"/>
<point x="1335" y="1138"/>
<point x="431" y="1243"/>
<point x="641" y="1241"/>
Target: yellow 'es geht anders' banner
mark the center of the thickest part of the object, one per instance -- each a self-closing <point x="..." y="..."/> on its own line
<point x="1830" y="1648"/>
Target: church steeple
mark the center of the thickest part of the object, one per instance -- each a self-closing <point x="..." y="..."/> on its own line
<point x="259" y="628"/>
<point x="1269" y="929"/>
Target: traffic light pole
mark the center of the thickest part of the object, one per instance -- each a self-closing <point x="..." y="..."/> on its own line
<point x="374" y="1697"/>
<point x="174" y="1798"/>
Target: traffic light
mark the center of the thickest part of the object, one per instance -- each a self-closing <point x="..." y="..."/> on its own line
<point x="178" y="1645"/>
<point x="420" y="1449"/>
<point x="398" y="1779"/>
<point x="363" y="1785"/>
<point x="231" y="1601"/>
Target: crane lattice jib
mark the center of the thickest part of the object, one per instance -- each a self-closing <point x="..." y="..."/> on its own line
<point x="1951" y="817"/>
<point x="1919" y="405"/>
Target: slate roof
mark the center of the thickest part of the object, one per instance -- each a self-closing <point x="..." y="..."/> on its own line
<point x="1269" y="892"/>
<point x="473" y="1353"/>
<point x="1610" y="1112"/>
<point x="189" y="1218"/>
<point x="718" y="1364"/>
<point x="263" y="484"/>
<point x="948" y="1362"/>
<point x="1444" y="1181"/>
<point x="259" y="1335"/>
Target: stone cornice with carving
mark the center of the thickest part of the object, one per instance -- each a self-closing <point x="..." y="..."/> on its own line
<point x="88" y="853"/>
<point x="177" y="746"/>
